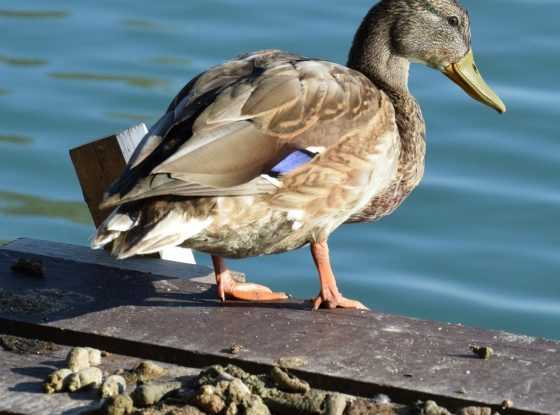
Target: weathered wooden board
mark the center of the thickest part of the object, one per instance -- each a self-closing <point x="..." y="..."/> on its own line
<point x="22" y="377"/>
<point x="84" y="255"/>
<point x="156" y="315"/>
<point x="99" y="163"/>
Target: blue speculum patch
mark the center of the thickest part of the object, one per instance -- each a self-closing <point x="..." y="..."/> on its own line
<point x="291" y="162"/>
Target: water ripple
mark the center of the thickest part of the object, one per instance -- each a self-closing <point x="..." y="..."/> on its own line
<point x="535" y="97"/>
<point x="12" y="61"/>
<point x="18" y="204"/>
<point x="34" y="14"/>
<point x="15" y="139"/>
<point x="128" y="116"/>
<point x="474" y="296"/>
<point x="137" y="81"/>
<point x="147" y="26"/>
<point x="171" y="60"/>
<point x="530" y="193"/>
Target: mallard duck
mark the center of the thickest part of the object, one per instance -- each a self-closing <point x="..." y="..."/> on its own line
<point x="272" y="151"/>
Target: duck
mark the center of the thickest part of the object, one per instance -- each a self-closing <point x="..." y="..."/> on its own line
<point x="272" y="151"/>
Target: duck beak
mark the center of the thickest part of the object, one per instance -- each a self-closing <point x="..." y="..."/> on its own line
<point x="465" y="74"/>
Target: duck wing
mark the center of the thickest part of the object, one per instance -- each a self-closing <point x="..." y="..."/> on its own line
<point x="234" y="124"/>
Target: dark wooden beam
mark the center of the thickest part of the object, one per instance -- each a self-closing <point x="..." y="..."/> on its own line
<point x="152" y="313"/>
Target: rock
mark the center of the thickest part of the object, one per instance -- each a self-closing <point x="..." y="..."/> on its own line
<point x="335" y="404"/>
<point x="166" y="409"/>
<point x="57" y="381"/>
<point x="209" y="401"/>
<point x="234" y="349"/>
<point x="94" y="356"/>
<point x="475" y="410"/>
<point x="151" y="393"/>
<point x="507" y="404"/>
<point x="184" y="410"/>
<point x="232" y="409"/>
<point x="118" y="405"/>
<point x="230" y="391"/>
<point x="114" y="385"/>
<point x="78" y="359"/>
<point x="216" y="374"/>
<point x="365" y="407"/>
<point x="237" y="391"/>
<point x="88" y="377"/>
<point x="21" y="345"/>
<point x="292" y="362"/>
<point x="288" y="383"/>
<point x="285" y="403"/>
<point x="482" y="352"/>
<point x="255" y="406"/>
<point x="146" y="371"/>
<point x="432" y="408"/>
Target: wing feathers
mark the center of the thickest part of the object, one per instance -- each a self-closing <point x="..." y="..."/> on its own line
<point x="273" y="93"/>
<point x="228" y="160"/>
<point x="236" y="121"/>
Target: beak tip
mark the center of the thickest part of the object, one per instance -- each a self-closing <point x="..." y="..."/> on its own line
<point x="465" y="74"/>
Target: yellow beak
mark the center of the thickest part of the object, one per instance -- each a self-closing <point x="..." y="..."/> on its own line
<point x="465" y="74"/>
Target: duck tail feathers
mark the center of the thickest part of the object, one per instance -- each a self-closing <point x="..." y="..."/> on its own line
<point x="119" y="222"/>
<point x="146" y="231"/>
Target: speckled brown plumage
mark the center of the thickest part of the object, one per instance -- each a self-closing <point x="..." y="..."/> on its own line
<point x="281" y="102"/>
<point x="410" y="123"/>
<point x="204" y="176"/>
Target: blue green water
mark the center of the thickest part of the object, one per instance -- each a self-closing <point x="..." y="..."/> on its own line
<point x="477" y="243"/>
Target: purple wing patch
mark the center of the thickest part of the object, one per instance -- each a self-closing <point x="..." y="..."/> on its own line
<point x="291" y="162"/>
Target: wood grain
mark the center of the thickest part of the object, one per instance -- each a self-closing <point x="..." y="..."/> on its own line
<point x="158" y="316"/>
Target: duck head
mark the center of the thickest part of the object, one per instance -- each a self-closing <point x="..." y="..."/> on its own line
<point x="432" y="32"/>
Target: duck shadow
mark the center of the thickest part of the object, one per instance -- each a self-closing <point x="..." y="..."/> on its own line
<point x="73" y="289"/>
<point x="209" y="298"/>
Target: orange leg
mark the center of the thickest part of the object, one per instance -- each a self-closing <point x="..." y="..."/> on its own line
<point x="329" y="296"/>
<point x="229" y="288"/>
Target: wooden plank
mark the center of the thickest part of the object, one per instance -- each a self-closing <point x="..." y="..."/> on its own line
<point x="83" y="255"/>
<point x="22" y="377"/>
<point x="151" y="315"/>
<point x="99" y="163"/>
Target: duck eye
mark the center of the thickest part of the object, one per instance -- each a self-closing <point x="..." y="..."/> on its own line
<point x="453" y="21"/>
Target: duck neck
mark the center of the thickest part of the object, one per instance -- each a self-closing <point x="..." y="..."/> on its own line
<point x="372" y="54"/>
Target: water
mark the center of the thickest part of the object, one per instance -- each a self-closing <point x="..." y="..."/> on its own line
<point x="477" y="243"/>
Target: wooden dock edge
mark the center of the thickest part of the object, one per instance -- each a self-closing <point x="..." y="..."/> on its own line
<point x="201" y="360"/>
<point x="86" y="329"/>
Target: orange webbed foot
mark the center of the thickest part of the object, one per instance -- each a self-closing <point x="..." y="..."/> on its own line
<point x="248" y="292"/>
<point x="329" y="297"/>
<point x="336" y="300"/>
<point x="229" y="288"/>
